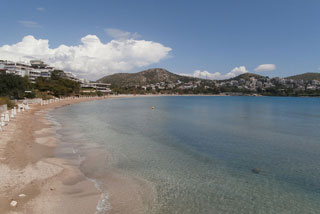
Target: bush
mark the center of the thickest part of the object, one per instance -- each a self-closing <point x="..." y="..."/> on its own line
<point x="99" y="93"/>
<point x="43" y="95"/>
<point x="6" y="100"/>
<point x="13" y="86"/>
<point x="30" y="94"/>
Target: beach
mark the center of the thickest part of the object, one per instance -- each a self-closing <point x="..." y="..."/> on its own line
<point x="32" y="176"/>
<point x="33" y="179"/>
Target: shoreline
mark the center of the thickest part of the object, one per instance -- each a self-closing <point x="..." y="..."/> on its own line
<point x="38" y="180"/>
<point x="31" y="177"/>
<point x="119" y="192"/>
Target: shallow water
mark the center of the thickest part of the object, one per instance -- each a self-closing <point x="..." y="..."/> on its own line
<point x="199" y="152"/>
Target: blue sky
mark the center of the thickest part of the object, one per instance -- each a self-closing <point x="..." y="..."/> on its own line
<point x="213" y="36"/>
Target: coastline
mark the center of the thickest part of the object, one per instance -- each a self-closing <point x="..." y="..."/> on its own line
<point x="29" y="167"/>
<point x="52" y="183"/>
<point x="32" y="176"/>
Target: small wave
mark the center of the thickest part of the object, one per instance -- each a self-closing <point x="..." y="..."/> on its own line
<point x="50" y="118"/>
<point x="56" y="125"/>
<point x="103" y="205"/>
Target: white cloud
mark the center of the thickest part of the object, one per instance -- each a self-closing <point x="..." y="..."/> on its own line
<point x="92" y="58"/>
<point x="265" y="67"/>
<point x="217" y="75"/>
<point x="41" y="9"/>
<point x="29" y="24"/>
<point x="237" y="71"/>
<point x="206" y="75"/>
<point x="121" y="35"/>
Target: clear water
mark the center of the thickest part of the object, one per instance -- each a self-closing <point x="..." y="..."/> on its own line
<point x="199" y="152"/>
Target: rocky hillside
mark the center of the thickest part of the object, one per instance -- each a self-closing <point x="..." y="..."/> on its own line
<point x="305" y="76"/>
<point x="150" y="76"/>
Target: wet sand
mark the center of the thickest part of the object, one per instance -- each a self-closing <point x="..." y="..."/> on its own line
<point x="125" y="194"/>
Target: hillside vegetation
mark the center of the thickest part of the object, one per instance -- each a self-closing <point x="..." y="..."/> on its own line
<point x="150" y="76"/>
<point x="245" y="76"/>
<point x="306" y="76"/>
<point x="13" y="86"/>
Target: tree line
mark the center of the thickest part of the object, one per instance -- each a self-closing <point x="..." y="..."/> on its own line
<point x="17" y="87"/>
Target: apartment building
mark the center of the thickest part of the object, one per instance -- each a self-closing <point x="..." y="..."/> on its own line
<point x="33" y="70"/>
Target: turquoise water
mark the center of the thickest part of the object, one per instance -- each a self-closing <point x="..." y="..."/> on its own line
<point x="199" y="152"/>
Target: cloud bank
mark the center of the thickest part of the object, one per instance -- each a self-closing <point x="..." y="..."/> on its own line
<point x="265" y="67"/>
<point x="217" y="75"/>
<point x="91" y="58"/>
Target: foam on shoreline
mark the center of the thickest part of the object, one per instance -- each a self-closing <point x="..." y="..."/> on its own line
<point x="119" y="192"/>
<point x="103" y="205"/>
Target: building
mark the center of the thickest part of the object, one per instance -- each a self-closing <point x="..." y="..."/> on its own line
<point x="16" y="68"/>
<point x="33" y="75"/>
<point x="38" y="64"/>
<point x="35" y="69"/>
<point x="71" y="76"/>
<point x="91" y="87"/>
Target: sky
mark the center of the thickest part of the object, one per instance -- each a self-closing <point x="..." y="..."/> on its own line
<point x="214" y="39"/>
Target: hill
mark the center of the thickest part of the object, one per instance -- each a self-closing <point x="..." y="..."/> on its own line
<point x="150" y="76"/>
<point x="306" y="76"/>
<point x="245" y="76"/>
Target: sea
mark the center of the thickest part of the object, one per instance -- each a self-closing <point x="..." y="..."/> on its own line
<point x="202" y="154"/>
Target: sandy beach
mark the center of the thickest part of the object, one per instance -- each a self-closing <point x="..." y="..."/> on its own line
<point x="40" y="182"/>
<point x="32" y="176"/>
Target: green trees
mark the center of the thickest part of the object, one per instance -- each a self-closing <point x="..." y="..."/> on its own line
<point x="13" y="86"/>
<point x="57" y="86"/>
<point x="16" y="87"/>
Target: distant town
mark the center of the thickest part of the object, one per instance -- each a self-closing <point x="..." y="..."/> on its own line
<point x="250" y="84"/>
<point x="242" y="86"/>
<point x="162" y="81"/>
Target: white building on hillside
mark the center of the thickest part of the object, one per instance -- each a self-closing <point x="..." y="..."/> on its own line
<point x="88" y="87"/>
<point x="16" y="68"/>
<point x="35" y="69"/>
<point x="71" y="76"/>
